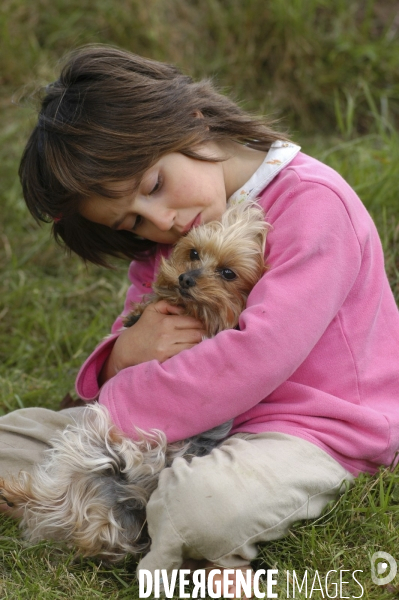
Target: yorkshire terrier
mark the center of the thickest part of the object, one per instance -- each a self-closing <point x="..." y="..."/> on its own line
<point x="93" y="487"/>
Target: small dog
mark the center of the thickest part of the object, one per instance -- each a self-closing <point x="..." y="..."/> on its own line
<point x="94" y="485"/>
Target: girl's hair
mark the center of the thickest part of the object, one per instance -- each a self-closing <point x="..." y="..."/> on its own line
<point x="109" y="117"/>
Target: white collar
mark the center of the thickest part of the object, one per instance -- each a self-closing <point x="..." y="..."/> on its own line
<point x="279" y="156"/>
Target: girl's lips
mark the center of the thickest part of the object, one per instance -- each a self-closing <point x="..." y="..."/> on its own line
<point x="194" y="223"/>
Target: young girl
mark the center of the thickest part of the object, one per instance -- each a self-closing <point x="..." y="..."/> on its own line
<point x="127" y="156"/>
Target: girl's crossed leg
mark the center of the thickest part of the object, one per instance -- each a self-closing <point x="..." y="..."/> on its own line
<point x="249" y="490"/>
<point x="215" y="509"/>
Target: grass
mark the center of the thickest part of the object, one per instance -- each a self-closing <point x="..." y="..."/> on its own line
<point x="306" y="60"/>
<point x="331" y="69"/>
<point x="363" y="521"/>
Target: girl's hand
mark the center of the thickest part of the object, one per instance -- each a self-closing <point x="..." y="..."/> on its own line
<point x="160" y="333"/>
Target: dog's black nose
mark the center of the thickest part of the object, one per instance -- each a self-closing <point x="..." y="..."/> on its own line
<point x="186" y="280"/>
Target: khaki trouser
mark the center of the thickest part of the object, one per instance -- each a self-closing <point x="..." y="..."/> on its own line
<point x="25" y="435"/>
<point x="218" y="507"/>
<point x="249" y="490"/>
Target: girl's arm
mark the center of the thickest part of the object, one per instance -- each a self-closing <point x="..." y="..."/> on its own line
<point x="315" y="257"/>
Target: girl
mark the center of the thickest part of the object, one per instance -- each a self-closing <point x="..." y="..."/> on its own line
<point x="127" y="156"/>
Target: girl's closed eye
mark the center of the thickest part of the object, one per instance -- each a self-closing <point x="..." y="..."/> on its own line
<point x="157" y="186"/>
<point x="137" y="222"/>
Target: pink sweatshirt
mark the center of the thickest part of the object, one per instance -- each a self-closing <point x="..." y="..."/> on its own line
<point x="317" y="353"/>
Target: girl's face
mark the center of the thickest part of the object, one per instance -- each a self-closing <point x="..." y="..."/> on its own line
<point x="175" y="194"/>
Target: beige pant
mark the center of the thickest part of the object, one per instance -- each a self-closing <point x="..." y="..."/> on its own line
<point x="25" y="435"/>
<point x="249" y="490"/>
<point x="218" y="507"/>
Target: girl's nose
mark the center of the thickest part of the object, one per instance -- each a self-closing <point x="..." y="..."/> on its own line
<point x="163" y="218"/>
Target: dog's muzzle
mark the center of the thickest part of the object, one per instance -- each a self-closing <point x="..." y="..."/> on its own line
<point x="189" y="279"/>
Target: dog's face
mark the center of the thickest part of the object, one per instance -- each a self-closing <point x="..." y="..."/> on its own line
<point x="213" y="269"/>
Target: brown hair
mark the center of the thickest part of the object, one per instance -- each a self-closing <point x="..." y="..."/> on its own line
<point x="109" y="117"/>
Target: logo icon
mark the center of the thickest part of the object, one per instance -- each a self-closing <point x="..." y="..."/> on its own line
<point x="383" y="564"/>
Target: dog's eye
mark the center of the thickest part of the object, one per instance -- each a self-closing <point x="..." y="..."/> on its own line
<point x="194" y="255"/>
<point x="228" y="274"/>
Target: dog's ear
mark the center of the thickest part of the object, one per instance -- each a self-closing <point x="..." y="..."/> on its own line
<point x="261" y="237"/>
<point x="247" y="219"/>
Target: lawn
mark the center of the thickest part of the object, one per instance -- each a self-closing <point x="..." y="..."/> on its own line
<point x="335" y="85"/>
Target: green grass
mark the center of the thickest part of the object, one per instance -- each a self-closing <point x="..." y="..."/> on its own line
<point x="331" y="70"/>
<point x="363" y="521"/>
<point x="310" y="61"/>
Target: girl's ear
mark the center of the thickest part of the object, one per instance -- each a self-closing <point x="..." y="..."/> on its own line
<point x="199" y="115"/>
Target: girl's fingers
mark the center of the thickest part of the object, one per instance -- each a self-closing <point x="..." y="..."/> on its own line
<point x="181" y="321"/>
<point x="167" y="309"/>
<point x="188" y="336"/>
<point x="188" y="323"/>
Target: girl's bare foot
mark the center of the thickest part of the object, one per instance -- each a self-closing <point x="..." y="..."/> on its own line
<point x="10" y="512"/>
<point x="9" y="509"/>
